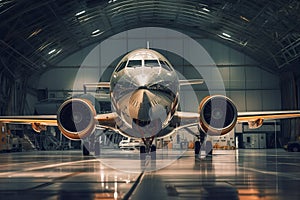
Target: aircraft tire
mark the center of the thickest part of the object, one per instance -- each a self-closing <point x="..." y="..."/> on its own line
<point x="85" y="151"/>
<point x="142" y="152"/>
<point x="197" y="147"/>
<point x="208" y="148"/>
<point x="97" y="148"/>
<point x="153" y="152"/>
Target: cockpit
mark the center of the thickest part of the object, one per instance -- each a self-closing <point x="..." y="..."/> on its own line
<point x="143" y="63"/>
<point x="144" y="58"/>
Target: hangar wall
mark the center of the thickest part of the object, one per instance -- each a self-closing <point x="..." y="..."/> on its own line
<point x="249" y="86"/>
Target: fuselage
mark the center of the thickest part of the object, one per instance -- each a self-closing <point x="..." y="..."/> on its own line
<point x="144" y="90"/>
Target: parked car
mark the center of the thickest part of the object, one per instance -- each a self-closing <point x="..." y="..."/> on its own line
<point x="293" y="146"/>
<point x="130" y="144"/>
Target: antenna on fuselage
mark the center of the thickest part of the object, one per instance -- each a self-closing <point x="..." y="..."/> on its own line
<point x="148" y="44"/>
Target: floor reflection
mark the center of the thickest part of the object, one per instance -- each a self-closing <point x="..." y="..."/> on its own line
<point x="241" y="174"/>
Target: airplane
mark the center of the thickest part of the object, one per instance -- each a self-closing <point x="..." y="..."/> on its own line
<point x="144" y="92"/>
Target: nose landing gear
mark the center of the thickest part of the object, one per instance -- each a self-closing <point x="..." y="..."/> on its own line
<point x="148" y="154"/>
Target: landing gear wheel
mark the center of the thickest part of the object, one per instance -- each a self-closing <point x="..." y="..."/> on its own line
<point x="85" y="149"/>
<point x="97" y="148"/>
<point x="208" y="148"/>
<point x="142" y="152"/>
<point x="153" y="152"/>
<point x="197" y="147"/>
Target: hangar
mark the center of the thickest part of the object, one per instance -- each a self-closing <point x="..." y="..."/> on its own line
<point x="245" y="50"/>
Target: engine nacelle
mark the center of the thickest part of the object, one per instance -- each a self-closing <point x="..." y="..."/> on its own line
<point x="76" y="118"/>
<point x="218" y="115"/>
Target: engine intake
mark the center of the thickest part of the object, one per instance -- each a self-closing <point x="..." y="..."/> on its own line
<point x="218" y="115"/>
<point x="76" y="118"/>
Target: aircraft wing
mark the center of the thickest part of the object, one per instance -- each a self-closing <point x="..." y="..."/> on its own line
<point x="255" y="119"/>
<point x="40" y="122"/>
<point x="98" y="85"/>
<point x="107" y="120"/>
<point x="49" y="120"/>
<point x="191" y="82"/>
<point x="185" y="119"/>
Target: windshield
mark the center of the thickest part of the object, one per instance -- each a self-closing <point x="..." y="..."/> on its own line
<point x="151" y="63"/>
<point x="134" y="63"/>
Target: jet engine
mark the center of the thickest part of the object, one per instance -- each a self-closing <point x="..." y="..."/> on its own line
<point x="76" y="118"/>
<point x="218" y="115"/>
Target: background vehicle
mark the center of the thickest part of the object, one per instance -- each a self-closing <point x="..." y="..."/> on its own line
<point x="130" y="144"/>
<point x="293" y="146"/>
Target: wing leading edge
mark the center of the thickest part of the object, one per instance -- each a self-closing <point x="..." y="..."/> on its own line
<point x="256" y="119"/>
<point x="49" y="120"/>
<point x="191" y="82"/>
<point x="40" y="122"/>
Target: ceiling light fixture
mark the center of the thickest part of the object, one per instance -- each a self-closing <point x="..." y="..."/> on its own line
<point x="112" y="1"/>
<point x="244" y="18"/>
<point x="205" y="9"/>
<point x="96" y="33"/>
<point x="80" y="13"/>
<point x="226" y="35"/>
<point x="52" y="51"/>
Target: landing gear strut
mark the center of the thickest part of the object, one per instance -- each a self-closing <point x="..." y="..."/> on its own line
<point x="90" y="144"/>
<point x="202" y="144"/>
<point x="85" y="148"/>
<point x="149" y="148"/>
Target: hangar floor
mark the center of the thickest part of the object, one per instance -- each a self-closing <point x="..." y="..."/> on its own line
<point x="228" y="174"/>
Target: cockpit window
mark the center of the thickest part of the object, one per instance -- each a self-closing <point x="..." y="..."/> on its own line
<point x="151" y="63"/>
<point x="134" y="63"/>
<point x="165" y="65"/>
<point x="121" y="66"/>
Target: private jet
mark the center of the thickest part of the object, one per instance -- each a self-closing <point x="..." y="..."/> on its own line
<point x="144" y="93"/>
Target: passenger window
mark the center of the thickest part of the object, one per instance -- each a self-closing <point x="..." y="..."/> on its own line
<point x="121" y="66"/>
<point x="151" y="63"/>
<point x="134" y="63"/>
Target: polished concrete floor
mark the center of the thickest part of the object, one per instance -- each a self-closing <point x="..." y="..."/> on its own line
<point x="228" y="174"/>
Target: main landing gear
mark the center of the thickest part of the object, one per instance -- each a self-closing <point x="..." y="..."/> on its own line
<point x="91" y="143"/>
<point x="202" y="144"/>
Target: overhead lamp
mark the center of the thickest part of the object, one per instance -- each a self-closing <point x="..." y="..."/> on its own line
<point x="52" y="51"/>
<point x="226" y="35"/>
<point x="80" y="13"/>
<point x="205" y="9"/>
<point x="112" y="1"/>
<point x="96" y="33"/>
<point x="244" y="18"/>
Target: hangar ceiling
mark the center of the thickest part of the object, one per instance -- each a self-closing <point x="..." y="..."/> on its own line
<point x="38" y="34"/>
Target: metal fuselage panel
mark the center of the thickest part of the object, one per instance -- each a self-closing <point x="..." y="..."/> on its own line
<point x="144" y="96"/>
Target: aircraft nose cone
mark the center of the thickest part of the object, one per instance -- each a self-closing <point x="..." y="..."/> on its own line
<point x="146" y="112"/>
<point x="140" y="104"/>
